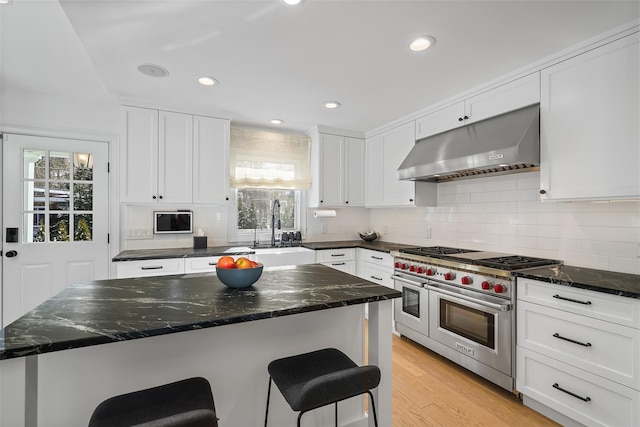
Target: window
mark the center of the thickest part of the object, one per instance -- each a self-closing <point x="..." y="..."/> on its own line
<point x="267" y="166"/>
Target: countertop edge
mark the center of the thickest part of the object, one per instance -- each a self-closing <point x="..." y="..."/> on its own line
<point x="607" y="282"/>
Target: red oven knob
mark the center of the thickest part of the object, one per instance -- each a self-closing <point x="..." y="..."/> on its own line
<point x="466" y="280"/>
<point x="486" y="285"/>
<point x="499" y="288"/>
<point x="449" y="276"/>
<point x="412" y="268"/>
<point x="420" y="270"/>
<point x="430" y="271"/>
<point x="397" y="264"/>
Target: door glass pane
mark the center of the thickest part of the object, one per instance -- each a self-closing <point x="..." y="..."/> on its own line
<point x="59" y="196"/>
<point x="59" y="165"/>
<point x="34" y="162"/>
<point x="82" y="197"/>
<point x="33" y="228"/>
<point x="59" y="227"/>
<point x="34" y="195"/>
<point x="83" y="227"/>
<point x="82" y="166"/>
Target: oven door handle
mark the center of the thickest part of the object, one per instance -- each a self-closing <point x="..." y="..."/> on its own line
<point x="495" y="306"/>
<point x="407" y="281"/>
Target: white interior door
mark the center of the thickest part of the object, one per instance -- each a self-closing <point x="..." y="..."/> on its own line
<point x="55" y="218"/>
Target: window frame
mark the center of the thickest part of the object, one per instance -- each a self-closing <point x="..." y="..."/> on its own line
<point x="264" y="236"/>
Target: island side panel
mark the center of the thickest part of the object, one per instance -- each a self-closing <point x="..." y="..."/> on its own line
<point x="233" y="358"/>
<point x="380" y="354"/>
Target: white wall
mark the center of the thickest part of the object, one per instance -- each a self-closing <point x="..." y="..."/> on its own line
<point x="503" y="213"/>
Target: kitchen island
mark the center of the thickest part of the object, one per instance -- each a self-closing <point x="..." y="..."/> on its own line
<point x="103" y="338"/>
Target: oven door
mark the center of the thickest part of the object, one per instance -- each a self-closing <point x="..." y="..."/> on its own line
<point x="472" y="323"/>
<point x="412" y="309"/>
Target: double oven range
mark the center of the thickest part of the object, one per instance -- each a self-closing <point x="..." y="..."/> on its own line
<point x="461" y="304"/>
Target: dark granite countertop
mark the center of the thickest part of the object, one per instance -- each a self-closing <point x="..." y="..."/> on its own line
<point x="106" y="311"/>
<point x="626" y="285"/>
<point x="376" y="245"/>
<point x="142" y="254"/>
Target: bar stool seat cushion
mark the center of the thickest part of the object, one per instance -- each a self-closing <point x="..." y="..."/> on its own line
<point x="311" y="380"/>
<point x="185" y="403"/>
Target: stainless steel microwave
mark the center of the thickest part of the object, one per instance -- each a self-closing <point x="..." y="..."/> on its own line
<point x="165" y="222"/>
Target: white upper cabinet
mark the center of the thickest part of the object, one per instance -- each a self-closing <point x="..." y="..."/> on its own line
<point x="139" y="160"/>
<point x="173" y="157"/>
<point x="589" y="132"/>
<point x="384" y="153"/>
<point x="210" y="160"/>
<point x="338" y="171"/>
<point x="502" y="99"/>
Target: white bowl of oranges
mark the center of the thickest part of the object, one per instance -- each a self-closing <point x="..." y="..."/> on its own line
<point x="239" y="273"/>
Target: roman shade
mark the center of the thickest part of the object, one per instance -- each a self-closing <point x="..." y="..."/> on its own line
<point x="265" y="159"/>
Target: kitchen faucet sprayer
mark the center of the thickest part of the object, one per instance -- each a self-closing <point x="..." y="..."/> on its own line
<point x="276" y="204"/>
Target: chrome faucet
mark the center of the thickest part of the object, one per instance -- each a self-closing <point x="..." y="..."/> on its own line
<point x="276" y="204"/>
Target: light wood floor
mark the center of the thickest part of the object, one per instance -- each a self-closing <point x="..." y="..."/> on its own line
<point x="429" y="390"/>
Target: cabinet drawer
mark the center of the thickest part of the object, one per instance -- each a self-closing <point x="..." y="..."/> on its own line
<point x="609" y="403"/>
<point x="377" y="274"/>
<point x="602" y="348"/>
<point x="344" y="266"/>
<point x="150" y="267"/>
<point x="375" y="257"/>
<point x="330" y="255"/>
<point x="612" y="308"/>
<point x="201" y="264"/>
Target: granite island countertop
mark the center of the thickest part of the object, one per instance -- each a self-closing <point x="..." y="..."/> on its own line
<point x="622" y="284"/>
<point x="106" y="311"/>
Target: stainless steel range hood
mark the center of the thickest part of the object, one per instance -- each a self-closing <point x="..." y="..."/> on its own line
<point x="506" y="143"/>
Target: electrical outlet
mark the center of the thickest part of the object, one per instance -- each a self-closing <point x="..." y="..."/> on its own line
<point x="384" y="229"/>
<point x="323" y="229"/>
<point x="427" y="233"/>
<point x="139" y="233"/>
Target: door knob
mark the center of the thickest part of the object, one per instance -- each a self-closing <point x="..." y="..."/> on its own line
<point x="11" y="254"/>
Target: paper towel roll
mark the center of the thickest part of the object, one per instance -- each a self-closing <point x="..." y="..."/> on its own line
<point x="327" y="213"/>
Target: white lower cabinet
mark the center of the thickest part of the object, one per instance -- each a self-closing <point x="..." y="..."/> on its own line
<point x="375" y="266"/>
<point x="149" y="267"/>
<point x="578" y="353"/>
<point x="201" y="264"/>
<point x="340" y="259"/>
<point x="580" y="395"/>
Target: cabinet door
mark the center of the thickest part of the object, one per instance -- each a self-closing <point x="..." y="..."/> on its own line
<point x="139" y="155"/>
<point x="175" y="158"/>
<point x="589" y="124"/>
<point x="354" y="155"/>
<point x="373" y="170"/>
<point x="502" y="99"/>
<point x="210" y="160"/>
<point x="396" y="145"/>
<point x="439" y="121"/>
<point x="331" y="170"/>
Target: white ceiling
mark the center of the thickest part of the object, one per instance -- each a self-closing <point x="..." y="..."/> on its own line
<point x="277" y="61"/>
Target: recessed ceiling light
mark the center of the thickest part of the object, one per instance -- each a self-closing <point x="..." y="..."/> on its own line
<point x="331" y="105"/>
<point x="5" y="1"/>
<point x="292" y="2"/>
<point x="207" y="81"/>
<point x="422" y="43"/>
<point x="153" y="70"/>
<point x="277" y="122"/>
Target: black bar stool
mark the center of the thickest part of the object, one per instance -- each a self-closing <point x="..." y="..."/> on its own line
<point x="312" y="380"/>
<point x="186" y="403"/>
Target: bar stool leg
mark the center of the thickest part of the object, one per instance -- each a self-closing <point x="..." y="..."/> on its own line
<point x="266" y="413"/>
<point x="373" y="407"/>
<point x="336" y="414"/>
